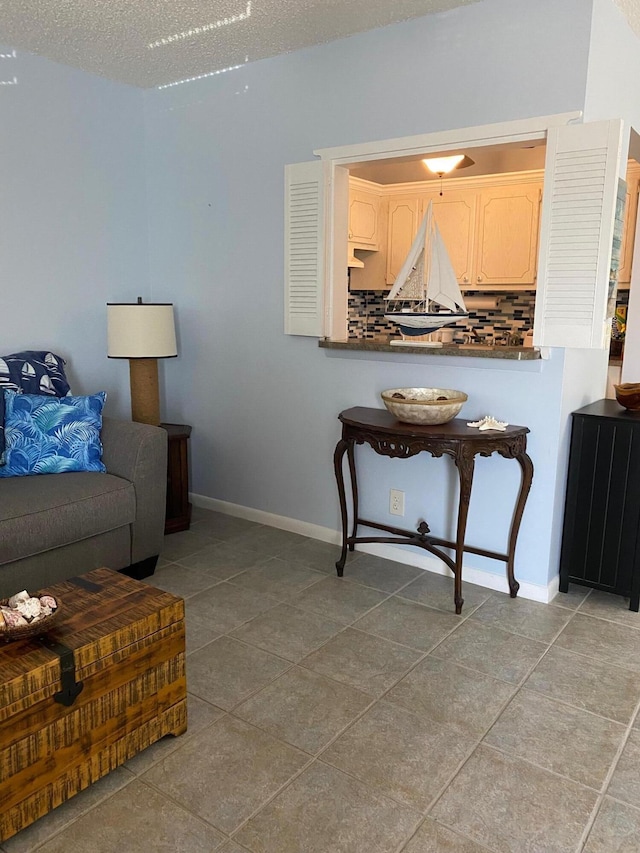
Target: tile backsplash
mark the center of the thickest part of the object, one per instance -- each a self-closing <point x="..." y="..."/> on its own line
<point x="513" y="314"/>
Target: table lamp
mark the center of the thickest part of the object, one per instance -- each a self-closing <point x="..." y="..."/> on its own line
<point x="143" y="332"/>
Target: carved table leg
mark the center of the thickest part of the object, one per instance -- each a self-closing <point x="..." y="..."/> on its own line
<point x="338" y="455"/>
<point x="351" y="456"/>
<point x="465" y="465"/>
<point x="526" y="466"/>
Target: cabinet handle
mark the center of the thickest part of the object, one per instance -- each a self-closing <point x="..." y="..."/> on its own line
<point x="350" y="234"/>
<point x="479" y="278"/>
<point x="465" y="278"/>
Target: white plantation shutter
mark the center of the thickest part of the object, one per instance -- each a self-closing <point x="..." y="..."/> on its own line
<point x="576" y="234"/>
<point x="305" y="204"/>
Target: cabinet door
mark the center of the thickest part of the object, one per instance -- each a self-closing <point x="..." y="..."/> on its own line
<point x="507" y="235"/>
<point x="455" y="215"/>
<point x="364" y="219"/>
<point x="403" y="227"/>
<point x="629" y="232"/>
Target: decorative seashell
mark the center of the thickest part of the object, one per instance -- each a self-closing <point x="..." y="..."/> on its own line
<point x="49" y="601"/>
<point x="13" y="619"/>
<point x="489" y="423"/>
<point x="30" y="608"/>
<point x="18" y="597"/>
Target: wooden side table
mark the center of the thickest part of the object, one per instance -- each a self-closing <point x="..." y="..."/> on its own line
<point x="178" y="507"/>
<point x="389" y="437"/>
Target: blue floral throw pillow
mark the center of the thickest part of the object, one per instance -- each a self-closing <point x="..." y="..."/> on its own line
<point x="51" y="435"/>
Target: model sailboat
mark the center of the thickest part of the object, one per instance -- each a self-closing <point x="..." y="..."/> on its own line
<point x="426" y="295"/>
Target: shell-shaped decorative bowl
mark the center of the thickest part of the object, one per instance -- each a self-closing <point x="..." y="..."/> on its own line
<point x="628" y="395"/>
<point x="430" y="406"/>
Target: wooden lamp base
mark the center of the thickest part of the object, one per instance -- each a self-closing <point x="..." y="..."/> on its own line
<point x="145" y="396"/>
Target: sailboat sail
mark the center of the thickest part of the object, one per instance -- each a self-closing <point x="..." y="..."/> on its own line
<point x="426" y="295"/>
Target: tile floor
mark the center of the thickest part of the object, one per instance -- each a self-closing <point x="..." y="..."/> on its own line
<point x="363" y="716"/>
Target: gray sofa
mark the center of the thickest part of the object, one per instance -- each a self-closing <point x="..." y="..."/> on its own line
<point x="55" y="526"/>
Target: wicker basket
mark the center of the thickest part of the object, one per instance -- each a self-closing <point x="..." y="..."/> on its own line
<point x="35" y="629"/>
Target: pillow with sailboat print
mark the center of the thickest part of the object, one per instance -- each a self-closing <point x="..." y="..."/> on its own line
<point x="52" y="435"/>
<point x="31" y="372"/>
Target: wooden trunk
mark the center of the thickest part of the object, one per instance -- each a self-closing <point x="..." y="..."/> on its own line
<point x="128" y="645"/>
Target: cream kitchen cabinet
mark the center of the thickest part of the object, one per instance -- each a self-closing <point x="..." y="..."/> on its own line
<point x="455" y="213"/>
<point x="491" y="233"/>
<point x="629" y="232"/>
<point x="364" y="219"/>
<point x="507" y="235"/>
<point x="402" y="228"/>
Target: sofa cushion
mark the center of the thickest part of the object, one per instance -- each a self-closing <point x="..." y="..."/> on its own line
<point x="40" y="513"/>
<point x="51" y="435"/>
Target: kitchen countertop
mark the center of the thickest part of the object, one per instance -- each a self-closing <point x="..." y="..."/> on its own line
<point x="459" y="350"/>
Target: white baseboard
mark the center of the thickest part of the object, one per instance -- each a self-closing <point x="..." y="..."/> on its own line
<point x="489" y="580"/>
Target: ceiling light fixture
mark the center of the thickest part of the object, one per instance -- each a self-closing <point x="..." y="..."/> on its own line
<point x="203" y="76"/>
<point x="441" y="166"/>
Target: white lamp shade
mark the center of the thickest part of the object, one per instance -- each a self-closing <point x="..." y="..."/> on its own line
<point x="142" y="330"/>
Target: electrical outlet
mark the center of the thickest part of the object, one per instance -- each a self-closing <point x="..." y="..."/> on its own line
<point x="396" y="502"/>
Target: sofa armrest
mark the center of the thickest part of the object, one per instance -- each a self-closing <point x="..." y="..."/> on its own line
<point x="138" y="453"/>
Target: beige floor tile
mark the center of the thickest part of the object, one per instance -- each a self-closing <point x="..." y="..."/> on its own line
<point x="467" y="701"/>
<point x="511" y="806"/>
<point x="558" y="737"/>
<point x="324" y="811"/>
<point x="182" y="544"/>
<point x="225" y="773"/>
<point x="399" y="754"/>
<point x="269" y="540"/>
<point x="605" y="605"/>
<point x="137" y="819"/>
<point x="605" y="641"/>
<point x="409" y="623"/>
<point x="616" y="829"/>
<point x="338" y="599"/>
<point x="181" y="581"/>
<point x="288" y="631"/>
<point x="277" y="577"/>
<point x="587" y="683"/>
<point x="433" y="838"/>
<point x="226" y="606"/>
<point x="47" y="826"/>
<point x="492" y="651"/>
<point x="226" y="671"/>
<point x="376" y="572"/>
<point x="519" y="616"/>
<point x="437" y="591"/>
<point x="223" y="560"/>
<point x="625" y="783"/>
<point x="363" y="661"/>
<point x="199" y="630"/>
<point x="304" y="708"/>
<point x="222" y="526"/>
<point x="321" y="556"/>
<point x="200" y="714"/>
<point x="232" y="847"/>
<point x="572" y="599"/>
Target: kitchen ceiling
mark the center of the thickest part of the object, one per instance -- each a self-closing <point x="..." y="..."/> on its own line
<point x="156" y="42"/>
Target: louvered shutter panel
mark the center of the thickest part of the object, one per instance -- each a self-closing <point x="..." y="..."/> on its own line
<point x="304" y="248"/>
<point x="576" y="234"/>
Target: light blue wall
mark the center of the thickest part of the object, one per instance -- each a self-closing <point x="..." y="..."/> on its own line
<point x="264" y="405"/>
<point x="72" y="215"/>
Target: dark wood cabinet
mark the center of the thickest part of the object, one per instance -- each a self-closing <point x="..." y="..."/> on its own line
<point x="178" y="507"/>
<point x="600" y="541"/>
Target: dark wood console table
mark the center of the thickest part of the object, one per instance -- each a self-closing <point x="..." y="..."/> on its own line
<point x="390" y="437"/>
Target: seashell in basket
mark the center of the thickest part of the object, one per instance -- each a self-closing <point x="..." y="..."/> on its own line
<point x="429" y="406"/>
<point x="24" y="615"/>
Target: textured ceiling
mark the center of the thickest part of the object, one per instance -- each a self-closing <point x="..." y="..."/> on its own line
<point x="154" y="42"/>
<point x="158" y="42"/>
